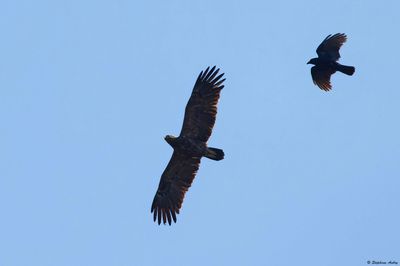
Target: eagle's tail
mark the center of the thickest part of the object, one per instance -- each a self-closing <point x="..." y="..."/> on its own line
<point x="348" y="70"/>
<point x="215" y="154"/>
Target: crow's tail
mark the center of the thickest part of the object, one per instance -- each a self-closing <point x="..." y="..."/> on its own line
<point x="215" y="154"/>
<point x="348" y="70"/>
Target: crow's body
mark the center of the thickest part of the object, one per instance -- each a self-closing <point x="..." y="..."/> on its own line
<point x="326" y="63"/>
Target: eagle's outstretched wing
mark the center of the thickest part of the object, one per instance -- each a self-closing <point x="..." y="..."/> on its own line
<point x="201" y="109"/>
<point x="329" y="48"/>
<point x="175" y="181"/>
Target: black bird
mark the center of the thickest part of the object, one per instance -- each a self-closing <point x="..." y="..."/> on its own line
<point x="189" y="147"/>
<point x="325" y="63"/>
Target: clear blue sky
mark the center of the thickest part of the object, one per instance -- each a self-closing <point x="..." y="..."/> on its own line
<point x="89" y="89"/>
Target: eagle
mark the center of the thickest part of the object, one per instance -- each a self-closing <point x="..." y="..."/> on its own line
<point x="189" y="147"/>
<point x="326" y="63"/>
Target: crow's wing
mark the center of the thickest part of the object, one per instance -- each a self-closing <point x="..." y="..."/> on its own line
<point x="175" y="181"/>
<point x="201" y="109"/>
<point x="329" y="48"/>
<point x="322" y="77"/>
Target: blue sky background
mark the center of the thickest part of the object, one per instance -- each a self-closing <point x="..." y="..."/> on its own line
<point x="89" y="89"/>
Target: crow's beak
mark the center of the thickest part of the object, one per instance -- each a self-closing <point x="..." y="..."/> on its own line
<point x="308" y="62"/>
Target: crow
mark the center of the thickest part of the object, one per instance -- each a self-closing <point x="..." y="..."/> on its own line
<point x="326" y="63"/>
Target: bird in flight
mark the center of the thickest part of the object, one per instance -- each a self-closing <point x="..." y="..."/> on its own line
<point x="189" y="147"/>
<point x="326" y="63"/>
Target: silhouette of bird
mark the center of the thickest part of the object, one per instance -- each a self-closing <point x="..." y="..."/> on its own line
<point x="189" y="147"/>
<point x="326" y="63"/>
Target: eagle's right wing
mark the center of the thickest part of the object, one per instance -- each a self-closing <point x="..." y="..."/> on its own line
<point x="201" y="109"/>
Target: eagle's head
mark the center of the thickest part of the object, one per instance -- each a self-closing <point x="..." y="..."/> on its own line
<point x="170" y="139"/>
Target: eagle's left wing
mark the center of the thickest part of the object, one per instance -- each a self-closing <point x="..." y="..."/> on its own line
<point x="175" y="181"/>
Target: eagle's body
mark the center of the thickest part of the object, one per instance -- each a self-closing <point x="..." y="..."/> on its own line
<point x="189" y="147"/>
